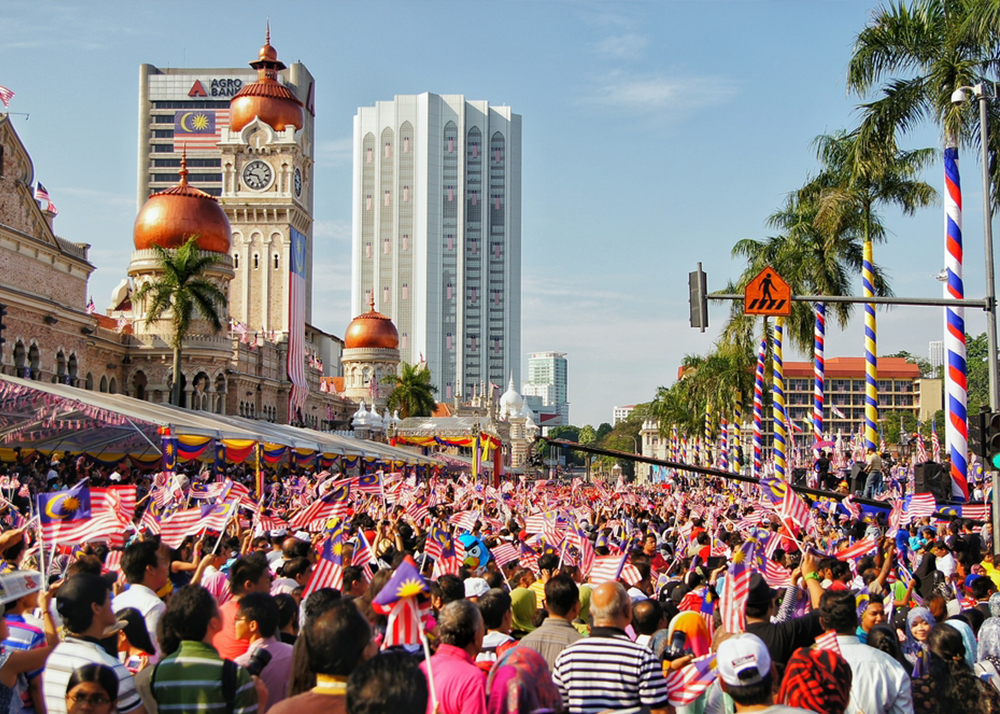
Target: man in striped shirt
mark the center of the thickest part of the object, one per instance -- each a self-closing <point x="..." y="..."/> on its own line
<point x="195" y="678"/>
<point x="84" y="603"/>
<point x="607" y="670"/>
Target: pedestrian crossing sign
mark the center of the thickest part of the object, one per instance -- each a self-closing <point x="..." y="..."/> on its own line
<point x="768" y="294"/>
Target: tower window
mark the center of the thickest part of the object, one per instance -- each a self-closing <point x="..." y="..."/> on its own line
<point x="256" y="261"/>
<point x="275" y="261"/>
<point x="236" y="260"/>
<point x="385" y="246"/>
<point x="406" y="241"/>
<point x="406" y="145"/>
<point x="406" y="291"/>
<point x="388" y="150"/>
<point x="368" y="202"/>
<point x="387" y="198"/>
<point x="406" y="194"/>
<point x="370" y="157"/>
<point x="368" y="249"/>
<point x="404" y="340"/>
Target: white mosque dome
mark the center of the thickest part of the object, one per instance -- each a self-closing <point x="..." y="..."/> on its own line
<point x="510" y="401"/>
<point x="361" y="416"/>
<point x="374" y="419"/>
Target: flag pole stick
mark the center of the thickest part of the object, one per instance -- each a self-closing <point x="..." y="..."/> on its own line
<point x="427" y="653"/>
<point x="225" y="525"/>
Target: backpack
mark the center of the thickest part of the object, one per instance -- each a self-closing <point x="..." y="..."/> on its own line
<point x="230" y="673"/>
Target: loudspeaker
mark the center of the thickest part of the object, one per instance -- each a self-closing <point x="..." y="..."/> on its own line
<point x="929" y="477"/>
<point x="799" y="477"/>
<point x="857" y="478"/>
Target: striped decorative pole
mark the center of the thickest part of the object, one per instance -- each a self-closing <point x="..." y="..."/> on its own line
<point x="674" y="453"/>
<point x="778" y="395"/>
<point x="819" y="365"/>
<point x="707" y="443"/>
<point x="956" y="425"/>
<point x="723" y="443"/>
<point x="736" y="437"/>
<point x="758" y="408"/>
<point x="871" y="354"/>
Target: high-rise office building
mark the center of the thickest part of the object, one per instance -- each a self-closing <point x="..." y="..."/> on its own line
<point x="437" y="234"/>
<point x="547" y="380"/>
<point x="935" y="353"/>
<point x="186" y="109"/>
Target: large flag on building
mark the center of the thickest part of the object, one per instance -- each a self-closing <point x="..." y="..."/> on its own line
<point x="199" y="130"/>
<point x="297" y="326"/>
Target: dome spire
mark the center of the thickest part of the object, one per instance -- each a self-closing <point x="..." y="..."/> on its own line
<point x="371" y="300"/>
<point x="274" y="103"/>
<point x="184" y="166"/>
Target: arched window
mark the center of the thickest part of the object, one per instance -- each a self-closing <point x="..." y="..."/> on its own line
<point x="60" y="367"/>
<point x="72" y="369"/>
<point x="104" y="384"/>
<point x="34" y="361"/>
<point x="89" y="383"/>
<point x="113" y="386"/>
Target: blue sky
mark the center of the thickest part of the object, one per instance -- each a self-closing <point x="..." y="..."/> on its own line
<point x="655" y="135"/>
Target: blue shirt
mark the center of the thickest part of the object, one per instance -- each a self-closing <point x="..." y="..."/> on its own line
<point x="24" y="636"/>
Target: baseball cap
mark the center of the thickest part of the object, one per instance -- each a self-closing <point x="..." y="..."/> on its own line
<point x="760" y="592"/>
<point x="476" y="587"/>
<point x="743" y="660"/>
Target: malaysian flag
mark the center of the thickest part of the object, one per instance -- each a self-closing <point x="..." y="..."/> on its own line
<point x="329" y="570"/>
<point x="504" y="553"/>
<point x="121" y="324"/>
<point x="920" y="505"/>
<point x="464" y="521"/>
<point x="828" y="641"/>
<point x="688" y="683"/>
<point x="297" y="325"/>
<point x="78" y="515"/>
<point x="91" y="307"/>
<point x="853" y="552"/>
<point x="935" y="443"/>
<point x="41" y="195"/>
<point x="446" y="562"/>
<point x="199" y="130"/>
<point x="418" y="507"/>
<point x="398" y="600"/>
<point x="369" y="483"/>
<point x="837" y="412"/>
<point x="607" y="568"/>
<point x="5" y="96"/>
<point x="736" y="589"/>
<point x="333" y="504"/>
<point x="777" y="576"/>
<point x="793" y="508"/>
<point x="921" y="449"/>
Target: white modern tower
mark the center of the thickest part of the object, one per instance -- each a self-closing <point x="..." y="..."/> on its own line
<point x="437" y="234"/>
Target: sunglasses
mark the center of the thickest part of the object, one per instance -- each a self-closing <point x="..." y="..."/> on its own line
<point x="96" y="700"/>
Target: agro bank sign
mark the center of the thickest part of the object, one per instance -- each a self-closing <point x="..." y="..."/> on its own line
<point x="215" y="87"/>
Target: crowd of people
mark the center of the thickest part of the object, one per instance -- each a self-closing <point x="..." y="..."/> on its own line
<point x="696" y="595"/>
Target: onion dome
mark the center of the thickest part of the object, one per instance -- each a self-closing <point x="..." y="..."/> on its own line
<point x="510" y="401"/>
<point x="169" y="218"/>
<point x="373" y="418"/>
<point x="360" y="418"/>
<point x="267" y="98"/>
<point x="371" y="330"/>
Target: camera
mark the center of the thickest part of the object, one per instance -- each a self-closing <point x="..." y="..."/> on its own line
<point x="677" y="647"/>
<point x="258" y="660"/>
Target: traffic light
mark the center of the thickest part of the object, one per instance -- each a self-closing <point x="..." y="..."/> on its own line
<point x="3" y="326"/>
<point x="991" y="439"/>
<point x="698" y="288"/>
<point x="977" y="433"/>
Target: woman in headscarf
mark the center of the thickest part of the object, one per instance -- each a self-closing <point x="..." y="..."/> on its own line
<point x="582" y="621"/>
<point x="522" y="607"/>
<point x="950" y="684"/>
<point x="968" y="638"/>
<point x="919" y="622"/>
<point x="520" y="683"/>
<point x="816" y="680"/>
<point x="692" y="624"/>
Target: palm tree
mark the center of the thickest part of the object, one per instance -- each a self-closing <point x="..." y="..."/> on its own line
<point x="412" y="392"/>
<point x="918" y="55"/>
<point x="183" y="290"/>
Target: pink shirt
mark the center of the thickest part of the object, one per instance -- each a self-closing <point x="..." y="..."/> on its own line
<point x="460" y="685"/>
<point x="277" y="675"/>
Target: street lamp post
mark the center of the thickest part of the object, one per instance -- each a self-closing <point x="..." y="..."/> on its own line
<point x="959" y="97"/>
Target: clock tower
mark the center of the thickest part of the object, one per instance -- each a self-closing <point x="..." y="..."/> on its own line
<point x="267" y="193"/>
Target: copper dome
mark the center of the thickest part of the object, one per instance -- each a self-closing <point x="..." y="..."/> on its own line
<point x="371" y="330"/>
<point x="266" y="98"/>
<point x="169" y="218"/>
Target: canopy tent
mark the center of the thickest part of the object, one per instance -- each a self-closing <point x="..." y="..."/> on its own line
<point x="56" y="417"/>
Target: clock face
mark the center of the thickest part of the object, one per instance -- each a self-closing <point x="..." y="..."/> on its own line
<point x="298" y="182"/>
<point x="257" y="175"/>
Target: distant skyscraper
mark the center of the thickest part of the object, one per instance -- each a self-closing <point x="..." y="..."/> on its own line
<point x="936" y="353"/>
<point x="437" y="234"/>
<point x="547" y="380"/>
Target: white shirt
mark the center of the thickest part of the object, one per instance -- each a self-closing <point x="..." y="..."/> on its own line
<point x="491" y="641"/>
<point x="71" y="654"/>
<point x="946" y="564"/>
<point x="879" y="683"/>
<point x="149" y="605"/>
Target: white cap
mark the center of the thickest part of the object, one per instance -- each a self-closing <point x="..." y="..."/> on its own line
<point x="743" y="660"/>
<point x="476" y="587"/>
<point x="279" y="532"/>
<point x="302" y="535"/>
<point x="16" y="584"/>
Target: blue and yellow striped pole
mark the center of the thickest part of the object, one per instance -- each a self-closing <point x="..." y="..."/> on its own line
<point x="778" y="409"/>
<point x="734" y="430"/>
<point x="871" y="354"/>
<point x="707" y="444"/>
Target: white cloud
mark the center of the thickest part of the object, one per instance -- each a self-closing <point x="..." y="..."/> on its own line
<point x="334" y="152"/>
<point x="660" y="92"/>
<point x="337" y="230"/>
<point x="624" y="47"/>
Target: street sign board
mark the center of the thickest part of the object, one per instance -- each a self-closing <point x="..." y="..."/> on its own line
<point x="767" y="294"/>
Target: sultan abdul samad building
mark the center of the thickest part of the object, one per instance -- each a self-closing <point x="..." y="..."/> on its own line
<point x="267" y="363"/>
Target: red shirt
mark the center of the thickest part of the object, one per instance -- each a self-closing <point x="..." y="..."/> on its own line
<point x="225" y="641"/>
